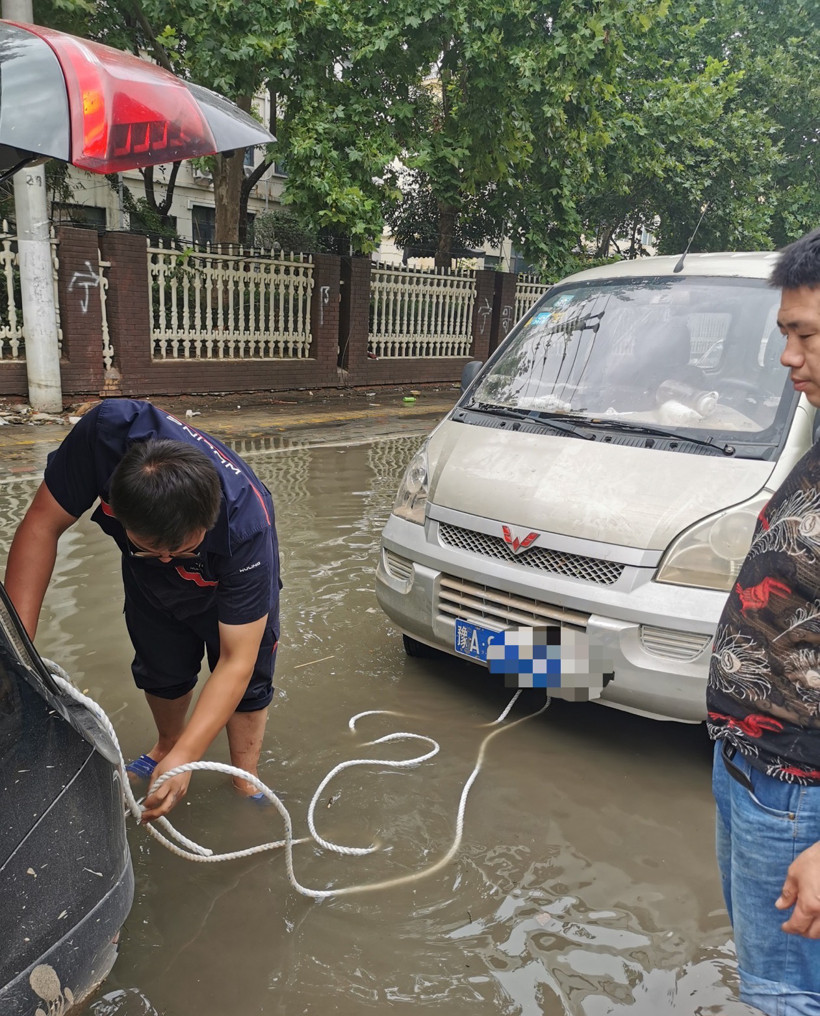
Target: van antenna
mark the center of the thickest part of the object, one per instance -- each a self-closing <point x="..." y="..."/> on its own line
<point x="679" y="266"/>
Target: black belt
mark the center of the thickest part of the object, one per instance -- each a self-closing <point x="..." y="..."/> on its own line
<point x="728" y="752"/>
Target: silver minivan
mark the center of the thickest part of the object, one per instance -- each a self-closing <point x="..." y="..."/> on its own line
<point x="601" y="475"/>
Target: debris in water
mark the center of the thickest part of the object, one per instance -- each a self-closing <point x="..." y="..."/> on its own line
<point x="311" y="662"/>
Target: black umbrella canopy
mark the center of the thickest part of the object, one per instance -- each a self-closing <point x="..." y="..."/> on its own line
<point x="104" y="110"/>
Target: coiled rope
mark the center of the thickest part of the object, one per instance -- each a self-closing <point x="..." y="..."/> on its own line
<point x="184" y="847"/>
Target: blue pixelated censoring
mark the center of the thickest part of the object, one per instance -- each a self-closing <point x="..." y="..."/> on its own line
<point x="551" y="657"/>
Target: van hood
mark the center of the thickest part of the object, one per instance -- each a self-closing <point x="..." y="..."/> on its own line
<point x="631" y="497"/>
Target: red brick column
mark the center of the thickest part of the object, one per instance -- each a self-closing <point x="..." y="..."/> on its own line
<point x="78" y="291"/>
<point x="128" y="311"/>
<point x="483" y="313"/>
<point x="324" y="316"/>
<point x="503" y="308"/>
<point x="354" y="320"/>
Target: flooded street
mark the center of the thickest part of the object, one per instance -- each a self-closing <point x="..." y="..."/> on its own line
<point x="585" y="882"/>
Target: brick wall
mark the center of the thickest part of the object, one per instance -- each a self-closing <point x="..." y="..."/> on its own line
<point x="129" y="318"/>
<point x="78" y="290"/>
<point x="503" y="308"/>
<point x="339" y="316"/>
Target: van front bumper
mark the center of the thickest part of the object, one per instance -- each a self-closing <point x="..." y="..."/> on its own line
<point x="655" y="638"/>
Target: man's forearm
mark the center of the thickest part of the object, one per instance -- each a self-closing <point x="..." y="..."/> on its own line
<point x="32" y="555"/>
<point x="28" y="571"/>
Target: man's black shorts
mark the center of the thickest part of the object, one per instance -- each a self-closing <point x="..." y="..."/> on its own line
<point x="168" y="651"/>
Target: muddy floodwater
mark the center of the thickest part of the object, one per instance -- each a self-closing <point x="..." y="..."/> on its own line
<point x="585" y="881"/>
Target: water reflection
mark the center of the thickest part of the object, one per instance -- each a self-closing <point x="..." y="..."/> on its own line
<point x="586" y="882"/>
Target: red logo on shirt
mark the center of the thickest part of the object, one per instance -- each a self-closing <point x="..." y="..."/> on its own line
<point x="193" y="576"/>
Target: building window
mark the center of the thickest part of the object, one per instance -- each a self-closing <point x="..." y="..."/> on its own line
<point x="91" y="216"/>
<point x="203" y="223"/>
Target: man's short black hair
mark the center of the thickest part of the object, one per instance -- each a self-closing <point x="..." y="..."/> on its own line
<point x="164" y="491"/>
<point x="799" y="264"/>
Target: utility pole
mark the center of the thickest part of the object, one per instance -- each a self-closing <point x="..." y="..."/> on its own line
<point x="36" y="273"/>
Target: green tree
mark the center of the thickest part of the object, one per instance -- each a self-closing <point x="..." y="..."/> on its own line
<point x="281" y="230"/>
<point x="345" y="103"/>
<point x="225" y="45"/>
<point x="414" y="221"/>
<point x="718" y="126"/>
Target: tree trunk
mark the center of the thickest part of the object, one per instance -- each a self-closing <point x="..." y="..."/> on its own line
<point x="605" y="241"/>
<point x="228" y="175"/>
<point x="162" y="208"/>
<point x="446" y="228"/>
<point x="249" y="182"/>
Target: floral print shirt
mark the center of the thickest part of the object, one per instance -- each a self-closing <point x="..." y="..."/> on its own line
<point x="764" y="680"/>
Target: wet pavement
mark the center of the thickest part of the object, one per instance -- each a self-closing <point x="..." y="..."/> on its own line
<point x="584" y="882"/>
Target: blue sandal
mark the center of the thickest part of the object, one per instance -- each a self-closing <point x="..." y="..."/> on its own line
<point x="142" y="767"/>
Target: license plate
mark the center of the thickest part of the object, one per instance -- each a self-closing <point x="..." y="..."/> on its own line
<point x="471" y="640"/>
<point x="550" y="657"/>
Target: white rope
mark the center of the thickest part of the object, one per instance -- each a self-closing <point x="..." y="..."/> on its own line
<point x="180" y="845"/>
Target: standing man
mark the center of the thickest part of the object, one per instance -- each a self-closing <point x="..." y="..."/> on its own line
<point x="200" y="567"/>
<point x="764" y="703"/>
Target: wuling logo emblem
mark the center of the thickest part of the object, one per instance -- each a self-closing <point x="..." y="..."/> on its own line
<point x="515" y="542"/>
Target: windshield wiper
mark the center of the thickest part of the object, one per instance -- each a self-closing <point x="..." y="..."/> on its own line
<point x="529" y="416"/>
<point x="599" y="423"/>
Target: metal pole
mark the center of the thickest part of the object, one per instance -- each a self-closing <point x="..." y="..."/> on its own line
<point x="36" y="272"/>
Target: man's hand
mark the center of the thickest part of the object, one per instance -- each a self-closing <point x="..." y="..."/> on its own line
<point x="160" y="802"/>
<point x="801" y="890"/>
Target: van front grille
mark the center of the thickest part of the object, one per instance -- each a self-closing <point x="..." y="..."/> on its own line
<point x="590" y="569"/>
<point x="479" y="604"/>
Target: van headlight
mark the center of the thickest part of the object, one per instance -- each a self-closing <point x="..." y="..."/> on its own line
<point x="412" y="494"/>
<point x="710" y="554"/>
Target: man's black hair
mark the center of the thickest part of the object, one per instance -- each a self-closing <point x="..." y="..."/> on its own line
<point x="799" y="264"/>
<point x="164" y="491"/>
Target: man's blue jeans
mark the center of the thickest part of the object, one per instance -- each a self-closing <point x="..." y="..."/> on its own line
<point x="759" y="833"/>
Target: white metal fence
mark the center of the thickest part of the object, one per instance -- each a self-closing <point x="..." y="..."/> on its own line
<point x="12" y="339"/>
<point x="208" y="304"/>
<point x="528" y="289"/>
<point x="420" y="313"/>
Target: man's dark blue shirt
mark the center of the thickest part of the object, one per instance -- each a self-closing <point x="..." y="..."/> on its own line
<point x="237" y="570"/>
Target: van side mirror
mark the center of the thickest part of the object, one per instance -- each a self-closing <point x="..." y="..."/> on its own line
<point x="469" y="372"/>
<point x="815" y="427"/>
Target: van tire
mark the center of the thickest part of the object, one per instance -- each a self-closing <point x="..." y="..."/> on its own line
<point x="418" y="649"/>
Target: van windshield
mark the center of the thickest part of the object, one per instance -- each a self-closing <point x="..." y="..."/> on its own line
<point x="683" y="354"/>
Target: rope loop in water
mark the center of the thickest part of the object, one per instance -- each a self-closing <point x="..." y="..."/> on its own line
<point x="184" y="847"/>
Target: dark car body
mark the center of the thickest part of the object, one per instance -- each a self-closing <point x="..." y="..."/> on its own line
<point x="66" y="880"/>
